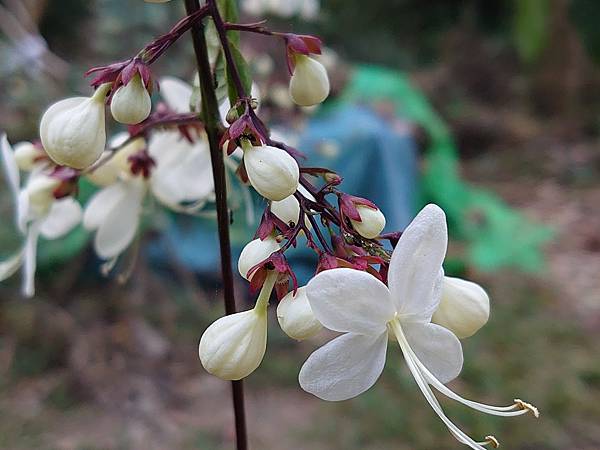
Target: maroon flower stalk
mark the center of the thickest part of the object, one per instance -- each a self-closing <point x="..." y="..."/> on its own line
<point x="212" y="125"/>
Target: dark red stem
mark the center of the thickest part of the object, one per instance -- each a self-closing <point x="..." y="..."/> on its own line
<point x="212" y="124"/>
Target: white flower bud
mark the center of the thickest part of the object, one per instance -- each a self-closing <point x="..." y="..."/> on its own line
<point x="73" y="131"/>
<point x="309" y="84"/>
<point x="27" y="154"/>
<point x="288" y="209"/>
<point x="131" y="103"/>
<point x="40" y="194"/>
<point x="271" y="171"/>
<point x="464" y="308"/>
<point x="296" y="317"/>
<point x="254" y="252"/>
<point x="372" y="222"/>
<point x="234" y="346"/>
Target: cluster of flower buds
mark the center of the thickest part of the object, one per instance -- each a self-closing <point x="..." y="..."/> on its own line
<point x="362" y="289"/>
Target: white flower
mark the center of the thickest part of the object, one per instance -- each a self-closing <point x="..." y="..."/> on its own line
<point x="271" y="171"/>
<point x="131" y="103"/>
<point x="116" y="166"/>
<point x="37" y="213"/>
<point x="181" y="180"/>
<point x="288" y="209"/>
<point x="233" y="346"/>
<point x="254" y="252"/>
<point x="464" y="307"/>
<point x="372" y="222"/>
<point x="183" y="171"/>
<point x="295" y="316"/>
<point x="176" y="94"/>
<point x="365" y="310"/>
<point x="309" y="84"/>
<point x="73" y="130"/>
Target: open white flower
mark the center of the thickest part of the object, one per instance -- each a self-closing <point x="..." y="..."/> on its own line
<point x="38" y="213"/>
<point x="183" y="172"/>
<point x="365" y="310"/>
<point x="180" y="179"/>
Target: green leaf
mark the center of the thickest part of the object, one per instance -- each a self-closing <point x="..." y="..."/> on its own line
<point x="244" y="71"/>
<point x="530" y="28"/>
<point x="229" y="13"/>
<point x="221" y="89"/>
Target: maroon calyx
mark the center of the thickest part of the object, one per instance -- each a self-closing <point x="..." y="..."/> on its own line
<point x="141" y="163"/>
<point x="69" y="179"/>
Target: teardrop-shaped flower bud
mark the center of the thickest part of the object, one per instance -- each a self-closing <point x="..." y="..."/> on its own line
<point x="40" y="194"/>
<point x="372" y="222"/>
<point x="296" y="317"/>
<point x="254" y="252"/>
<point x="131" y="103"/>
<point x="234" y="346"/>
<point x="464" y="308"/>
<point x="288" y="209"/>
<point x="73" y="130"/>
<point x="309" y="84"/>
<point x="271" y="171"/>
<point x="27" y="154"/>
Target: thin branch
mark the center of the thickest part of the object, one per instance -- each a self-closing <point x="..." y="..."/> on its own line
<point x="212" y="124"/>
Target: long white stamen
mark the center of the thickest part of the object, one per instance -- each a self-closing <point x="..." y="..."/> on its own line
<point x="426" y="390"/>
<point x="516" y="409"/>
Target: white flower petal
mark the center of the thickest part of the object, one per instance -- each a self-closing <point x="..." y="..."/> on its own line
<point x="350" y="300"/>
<point x="416" y="264"/>
<point x="11" y="265"/>
<point x="64" y="215"/>
<point x="30" y="259"/>
<point x="184" y="175"/>
<point x="437" y="348"/>
<point x="118" y="229"/>
<point x="102" y="204"/>
<point x="176" y="93"/>
<point x="344" y="367"/>
<point x="23" y="215"/>
<point x="10" y="166"/>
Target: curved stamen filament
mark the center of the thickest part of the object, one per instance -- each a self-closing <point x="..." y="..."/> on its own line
<point x="426" y="390"/>
<point x="518" y="408"/>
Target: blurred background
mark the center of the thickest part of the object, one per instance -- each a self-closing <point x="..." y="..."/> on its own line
<point x="489" y="108"/>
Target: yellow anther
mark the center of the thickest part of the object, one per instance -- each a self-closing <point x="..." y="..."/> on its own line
<point x="491" y="440"/>
<point x="528" y="406"/>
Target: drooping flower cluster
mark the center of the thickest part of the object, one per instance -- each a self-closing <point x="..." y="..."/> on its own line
<point x="361" y="288"/>
<point x="171" y="165"/>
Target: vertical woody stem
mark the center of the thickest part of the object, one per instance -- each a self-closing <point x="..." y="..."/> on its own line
<point x="212" y="122"/>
